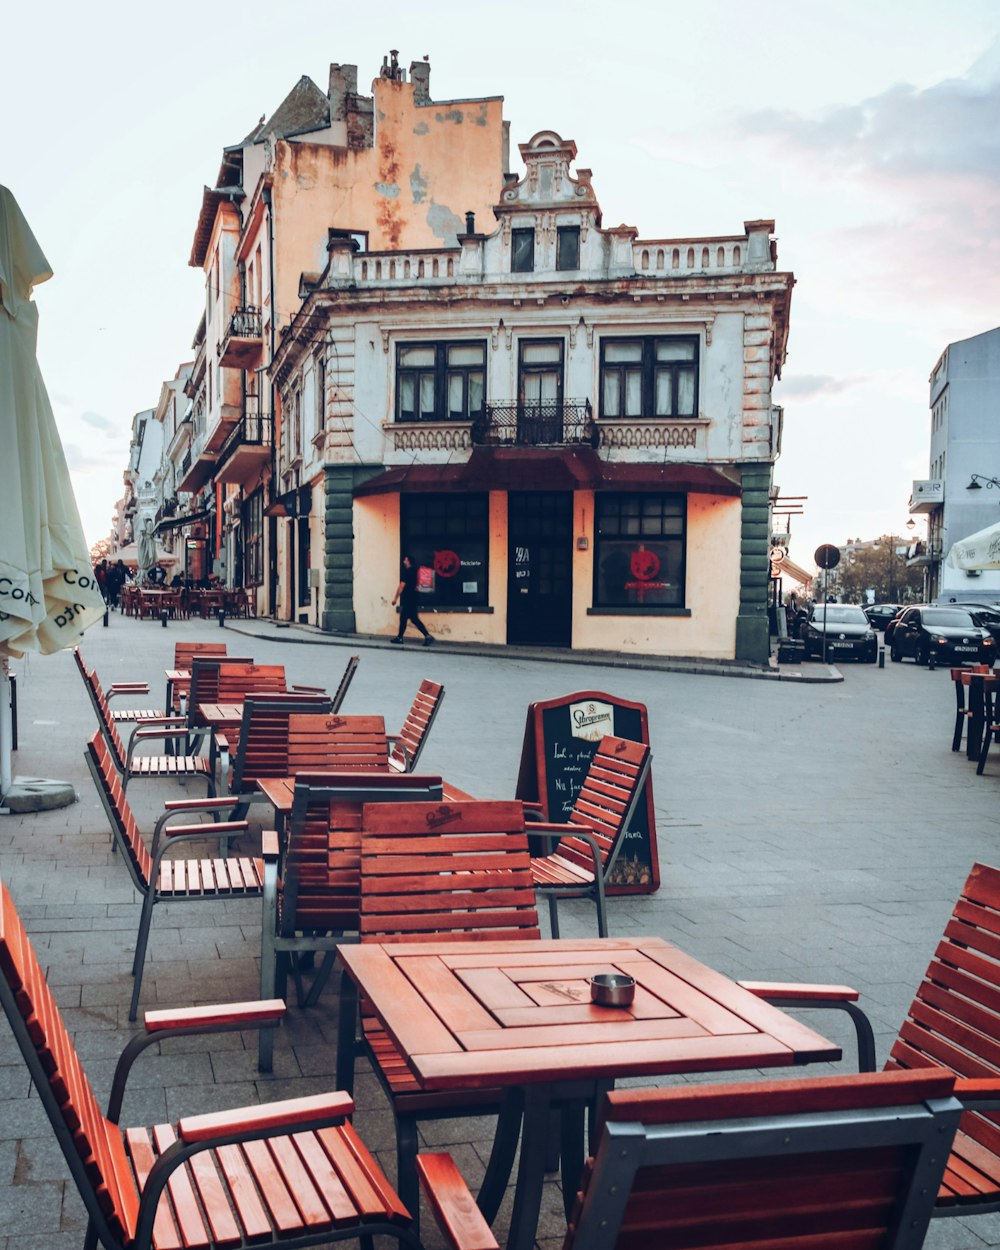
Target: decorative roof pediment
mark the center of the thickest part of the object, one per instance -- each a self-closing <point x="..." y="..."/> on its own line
<point x="547" y="182"/>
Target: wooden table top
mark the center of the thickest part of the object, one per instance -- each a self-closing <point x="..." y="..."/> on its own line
<point x="280" y="791"/>
<point x="476" y="1014"/>
<point x="220" y="715"/>
<point x="967" y="676"/>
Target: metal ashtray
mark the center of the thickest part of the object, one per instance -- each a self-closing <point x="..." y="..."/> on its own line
<point x="612" y="989"/>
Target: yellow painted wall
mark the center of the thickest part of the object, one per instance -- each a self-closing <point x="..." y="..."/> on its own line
<point x="713" y="588"/>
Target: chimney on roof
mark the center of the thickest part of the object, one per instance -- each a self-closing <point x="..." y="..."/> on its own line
<point x="420" y="76"/>
<point x="343" y="82"/>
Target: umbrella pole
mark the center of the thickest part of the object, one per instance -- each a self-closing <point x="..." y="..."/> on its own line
<point x="6" y="727"/>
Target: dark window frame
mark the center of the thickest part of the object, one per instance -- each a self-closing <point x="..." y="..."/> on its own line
<point x="650" y="367"/>
<point x="525" y="369"/>
<point x="565" y="254"/>
<point x="253" y="539"/>
<point x="640" y="519"/>
<point x="434" y="523"/>
<point x="443" y="372"/>
<point x="522" y="237"/>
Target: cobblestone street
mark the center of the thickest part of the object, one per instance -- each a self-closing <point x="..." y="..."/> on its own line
<point x="814" y="832"/>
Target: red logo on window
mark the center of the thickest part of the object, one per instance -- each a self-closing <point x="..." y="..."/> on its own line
<point x="644" y="565"/>
<point x="446" y="563"/>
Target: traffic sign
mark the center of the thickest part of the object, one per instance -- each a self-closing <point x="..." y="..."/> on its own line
<point x="827" y="556"/>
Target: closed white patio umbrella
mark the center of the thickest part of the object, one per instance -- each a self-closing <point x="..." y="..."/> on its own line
<point x="129" y="556"/>
<point x="980" y="550"/>
<point x="48" y="593"/>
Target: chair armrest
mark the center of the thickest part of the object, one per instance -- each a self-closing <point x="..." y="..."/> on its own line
<point x="835" y="997"/>
<point x="454" y="1207"/>
<point x="215" y="1018"/>
<point x="978" y="1095"/>
<point x="216" y="829"/>
<point x="309" y="689"/>
<point x="222" y="743"/>
<point x="200" y="805"/>
<point x="269" y="848"/>
<point x="311" y="1111"/>
<point x="395" y="742"/>
<point x="126" y="687"/>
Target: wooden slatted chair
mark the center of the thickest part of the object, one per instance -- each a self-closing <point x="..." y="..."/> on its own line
<point x="589" y="843"/>
<point x="408" y="744"/>
<point x="119" y="715"/>
<point x="185" y="654"/>
<point x="312" y="896"/>
<point x="431" y="871"/>
<point x="963" y="712"/>
<point x="157" y="873"/>
<point x="954" y="1021"/>
<point x="262" y="739"/>
<point x="291" y="1173"/>
<point x="129" y="763"/>
<point x="844" y="1161"/>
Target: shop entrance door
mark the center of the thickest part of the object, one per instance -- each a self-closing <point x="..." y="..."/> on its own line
<point x="540" y="568"/>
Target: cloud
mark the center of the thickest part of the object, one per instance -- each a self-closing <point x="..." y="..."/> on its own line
<point x="805" y="386"/>
<point x="99" y="423"/>
<point x="86" y="461"/>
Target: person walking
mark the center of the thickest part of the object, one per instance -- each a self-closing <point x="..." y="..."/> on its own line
<point x="406" y="597"/>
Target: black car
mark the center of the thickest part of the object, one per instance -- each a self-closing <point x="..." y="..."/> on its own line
<point x="848" y="633"/>
<point x="880" y="614"/>
<point x="949" y="634"/>
<point x="983" y="614"/>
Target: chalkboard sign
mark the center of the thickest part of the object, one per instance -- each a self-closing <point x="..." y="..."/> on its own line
<point x="560" y="739"/>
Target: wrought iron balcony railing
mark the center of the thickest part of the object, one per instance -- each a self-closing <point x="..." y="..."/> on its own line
<point x="245" y="323"/>
<point x="541" y="423"/>
<point x="252" y="430"/>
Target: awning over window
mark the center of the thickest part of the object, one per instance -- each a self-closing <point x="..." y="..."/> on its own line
<point x="538" y="469"/>
<point x="172" y="523"/>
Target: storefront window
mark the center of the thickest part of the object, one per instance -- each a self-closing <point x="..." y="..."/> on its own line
<point x="639" y="551"/>
<point x="253" y="539"/>
<point x="447" y="538"/>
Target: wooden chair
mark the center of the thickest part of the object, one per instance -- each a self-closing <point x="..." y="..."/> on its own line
<point x="408" y="744"/>
<point x="119" y="715"/>
<point x="590" y="842"/>
<point x="291" y="1173"/>
<point x="129" y="764"/>
<point x="262" y="749"/>
<point x="156" y="873"/>
<point x="185" y="654"/>
<point x="991" y="721"/>
<point x="963" y="712"/>
<point x="851" y="1162"/>
<point x="312" y="894"/>
<point x="432" y="871"/>
<point x="954" y="1022"/>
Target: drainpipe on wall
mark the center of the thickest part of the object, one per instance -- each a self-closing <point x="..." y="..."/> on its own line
<point x="272" y="543"/>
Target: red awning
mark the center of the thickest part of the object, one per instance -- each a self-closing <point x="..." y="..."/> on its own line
<point x="541" y="469"/>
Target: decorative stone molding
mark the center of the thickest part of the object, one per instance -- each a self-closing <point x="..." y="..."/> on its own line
<point x="652" y="433"/>
<point x="429" y="436"/>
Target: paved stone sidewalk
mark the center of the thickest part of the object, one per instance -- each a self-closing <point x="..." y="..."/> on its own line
<point x="806" y="831"/>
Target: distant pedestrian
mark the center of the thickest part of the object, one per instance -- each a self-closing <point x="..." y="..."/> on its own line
<point x="406" y="597"/>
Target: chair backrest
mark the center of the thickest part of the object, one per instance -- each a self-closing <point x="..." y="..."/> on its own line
<point x="237" y="680"/>
<point x="185" y="653"/>
<point x="954" y="1020"/>
<point x="446" y="870"/>
<point x="851" y="1161"/>
<point x="417" y="725"/>
<point x="119" y="814"/>
<point x="608" y="797"/>
<point x="263" y="735"/>
<point x="345" y="682"/>
<point x="103" y="709"/>
<point x="204" y="687"/>
<point x="336" y="742"/>
<point x="91" y="1144"/>
<point x="322" y="865"/>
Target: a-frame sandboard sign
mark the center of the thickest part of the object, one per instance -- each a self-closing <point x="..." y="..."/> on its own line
<point x="560" y="738"/>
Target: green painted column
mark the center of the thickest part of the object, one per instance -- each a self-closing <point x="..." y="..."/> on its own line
<point x="752" y="636"/>
<point x="338" y="556"/>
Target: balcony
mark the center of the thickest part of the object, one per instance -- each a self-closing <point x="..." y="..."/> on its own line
<point x="248" y="446"/>
<point x="243" y="345"/>
<point x="552" y="423"/>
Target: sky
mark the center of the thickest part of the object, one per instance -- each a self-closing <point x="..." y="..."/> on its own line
<point x="869" y="130"/>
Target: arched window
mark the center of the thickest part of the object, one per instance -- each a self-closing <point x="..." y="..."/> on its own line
<point x="434" y="267"/>
<point x="645" y="258"/>
<point x="392" y="268"/>
<point x="736" y="254"/>
<point x="690" y="260"/>
<point x="675" y="258"/>
<point x="420" y="268"/>
<point x="720" y="257"/>
<point x="364" y="270"/>
<point x="406" y="268"/>
<point x="451" y="268"/>
<point x="704" y="258"/>
<point x="661" y="260"/>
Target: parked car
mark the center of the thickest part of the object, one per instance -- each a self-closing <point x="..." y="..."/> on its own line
<point x="848" y="633"/>
<point x="948" y="633"/>
<point x="880" y="614"/>
<point x="890" y="626"/>
<point x="987" y="615"/>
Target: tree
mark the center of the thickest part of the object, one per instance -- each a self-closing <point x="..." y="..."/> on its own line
<point x="880" y="566"/>
<point x="100" y="550"/>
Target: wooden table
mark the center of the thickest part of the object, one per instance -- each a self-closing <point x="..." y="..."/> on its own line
<point x="369" y="783"/>
<point x="518" y="1015"/>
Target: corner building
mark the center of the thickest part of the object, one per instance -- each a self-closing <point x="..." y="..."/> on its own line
<point x="569" y="428"/>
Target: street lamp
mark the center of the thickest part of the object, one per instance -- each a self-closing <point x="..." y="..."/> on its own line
<point x="978" y="481"/>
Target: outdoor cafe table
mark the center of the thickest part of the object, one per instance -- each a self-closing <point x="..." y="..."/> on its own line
<point x="518" y="1016"/>
<point x="976" y="684"/>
